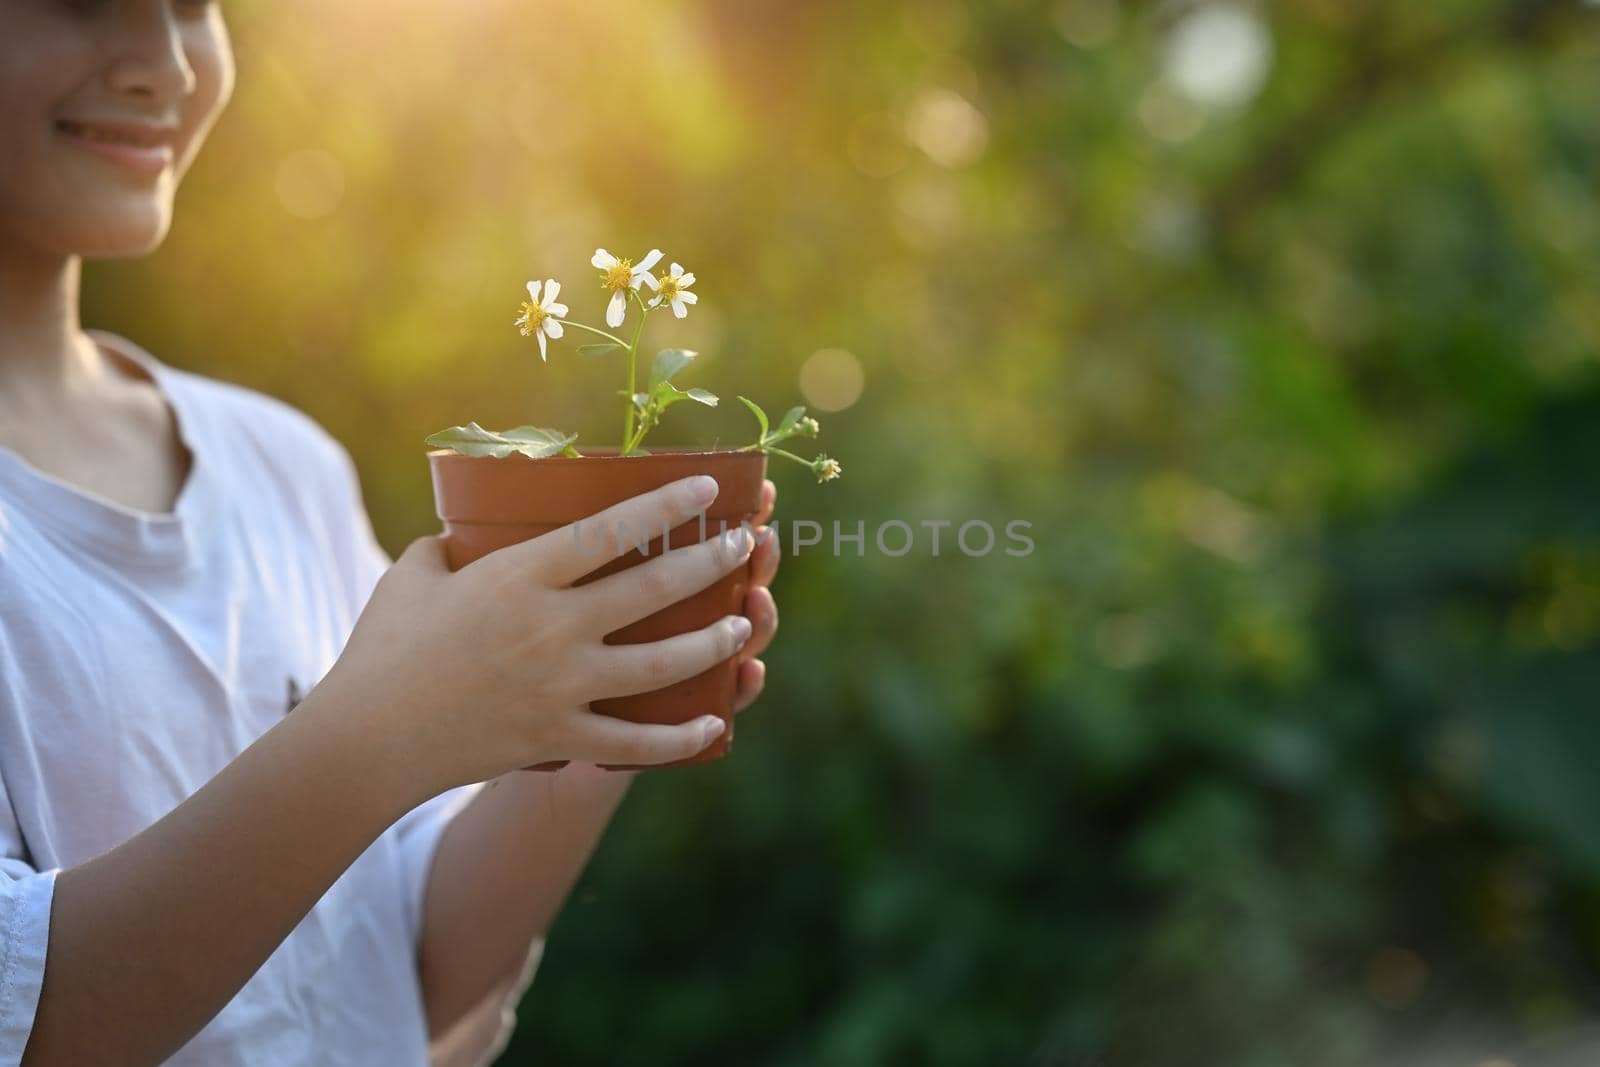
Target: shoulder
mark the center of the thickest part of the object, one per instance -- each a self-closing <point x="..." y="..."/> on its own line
<point x="272" y="426"/>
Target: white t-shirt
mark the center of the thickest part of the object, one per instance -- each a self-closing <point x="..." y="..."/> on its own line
<point x="140" y="653"/>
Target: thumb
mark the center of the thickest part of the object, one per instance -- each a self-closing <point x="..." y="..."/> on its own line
<point x="425" y="555"/>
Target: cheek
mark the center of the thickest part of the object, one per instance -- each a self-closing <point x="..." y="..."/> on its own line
<point x="35" y="73"/>
<point x="211" y="58"/>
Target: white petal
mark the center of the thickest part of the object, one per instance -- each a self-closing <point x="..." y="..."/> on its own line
<point x="677" y="270"/>
<point x="542" y="354"/>
<point x="553" y="328"/>
<point x="686" y="281"/>
<point x="654" y="301"/>
<point x="616" y="309"/>
<point x="533" y="291"/>
<point x="648" y="261"/>
<point x="551" y="288"/>
<point x="677" y="307"/>
<point x="650" y="280"/>
<point x="555" y="309"/>
<point x="689" y="298"/>
<point x="603" y="259"/>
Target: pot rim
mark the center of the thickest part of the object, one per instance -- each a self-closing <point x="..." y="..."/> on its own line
<point x="610" y="452"/>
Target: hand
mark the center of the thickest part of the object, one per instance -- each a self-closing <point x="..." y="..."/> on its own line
<point x="491" y="668"/>
<point x="759" y="606"/>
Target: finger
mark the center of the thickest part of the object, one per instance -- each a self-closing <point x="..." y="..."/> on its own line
<point x="623" y="670"/>
<point x="762" y="611"/>
<point x="764" y="560"/>
<point x="562" y="556"/>
<point x="644" y="589"/>
<point x="752" y="679"/>
<point x="596" y="738"/>
<point x="769" y="500"/>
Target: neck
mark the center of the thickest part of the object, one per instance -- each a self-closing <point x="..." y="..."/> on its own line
<point x="43" y="350"/>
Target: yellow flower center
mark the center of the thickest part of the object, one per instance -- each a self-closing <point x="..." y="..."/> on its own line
<point x="619" y="275"/>
<point x="533" y="316"/>
<point x="669" y="287"/>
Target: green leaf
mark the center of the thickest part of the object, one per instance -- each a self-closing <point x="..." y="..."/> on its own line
<point x="599" y="349"/>
<point x="708" y="399"/>
<point x="755" y="409"/>
<point x="666" y="394"/>
<point x="670" y="361"/>
<point x="535" y="442"/>
<point x="791" y="417"/>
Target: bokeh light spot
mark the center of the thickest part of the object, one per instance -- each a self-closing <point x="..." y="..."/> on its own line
<point x="1219" y="55"/>
<point x="831" y="380"/>
<point x="947" y="127"/>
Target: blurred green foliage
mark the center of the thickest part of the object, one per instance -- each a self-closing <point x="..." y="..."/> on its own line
<point x="1279" y="324"/>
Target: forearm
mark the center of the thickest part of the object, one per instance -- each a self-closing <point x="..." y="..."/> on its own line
<point x="149" y="941"/>
<point x="504" y="867"/>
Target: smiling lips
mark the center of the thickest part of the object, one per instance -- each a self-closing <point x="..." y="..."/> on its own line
<point x="145" y="148"/>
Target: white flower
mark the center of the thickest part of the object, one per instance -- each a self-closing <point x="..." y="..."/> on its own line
<point x="623" y="276"/>
<point x="674" y="289"/>
<point x="541" y="318"/>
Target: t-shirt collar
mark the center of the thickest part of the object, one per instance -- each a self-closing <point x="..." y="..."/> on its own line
<point x="113" y="531"/>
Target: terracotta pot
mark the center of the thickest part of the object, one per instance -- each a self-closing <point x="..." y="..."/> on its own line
<point x="487" y="503"/>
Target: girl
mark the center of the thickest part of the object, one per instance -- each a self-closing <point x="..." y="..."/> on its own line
<point x="259" y="796"/>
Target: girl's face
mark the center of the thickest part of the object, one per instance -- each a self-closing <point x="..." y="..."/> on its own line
<point x="103" y="106"/>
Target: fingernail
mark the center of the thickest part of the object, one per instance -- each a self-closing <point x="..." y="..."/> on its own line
<point x="712" y="727"/>
<point x="741" y="629"/>
<point x="702" y="490"/>
<point x="736" y="540"/>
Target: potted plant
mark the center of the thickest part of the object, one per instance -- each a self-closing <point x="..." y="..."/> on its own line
<point x="496" y="488"/>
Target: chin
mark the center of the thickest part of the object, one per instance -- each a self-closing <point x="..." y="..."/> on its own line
<point x="121" y="234"/>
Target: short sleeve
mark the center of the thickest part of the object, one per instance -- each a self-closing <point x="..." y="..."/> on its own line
<point x="25" y="899"/>
<point x="479" y="1037"/>
<point x="417" y="833"/>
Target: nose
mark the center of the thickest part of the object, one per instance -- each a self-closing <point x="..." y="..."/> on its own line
<point x="151" y="61"/>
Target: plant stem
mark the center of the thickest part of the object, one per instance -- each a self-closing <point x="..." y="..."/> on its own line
<point x="806" y="463"/>
<point x="633" y="442"/>
<point x="770" y="439"/>
<point x="619" y="342"/>
<point x="633" y="349"/>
